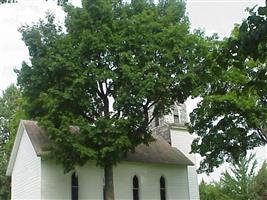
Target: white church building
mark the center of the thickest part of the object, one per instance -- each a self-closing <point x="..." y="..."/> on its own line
<point x="164" y="170"/>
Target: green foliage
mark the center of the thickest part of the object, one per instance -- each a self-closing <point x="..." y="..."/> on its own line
<point x="7" y="106"/>
<point x="115" y="62"/>
<point x="238" y="183"/>
<point x="10" y="113"/>
<point x="231" y="117"/>
<point x="211" y="191"/>
<point x="260" y="184"/>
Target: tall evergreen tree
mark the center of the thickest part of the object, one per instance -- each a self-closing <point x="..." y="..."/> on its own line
<point x="114" y="62"/>
<point x="238" y="182"/>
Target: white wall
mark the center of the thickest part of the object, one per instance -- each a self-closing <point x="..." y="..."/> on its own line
<point x="91" y="182"/>
<point x="26" y="175"/>
<point x="57" y="185"/>
<point x="149" y="176"/>
<point x="182" y="140"/>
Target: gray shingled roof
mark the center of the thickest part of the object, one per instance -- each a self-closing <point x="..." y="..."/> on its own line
<point x="158" y="151"/>
<point x="37" y="136"/>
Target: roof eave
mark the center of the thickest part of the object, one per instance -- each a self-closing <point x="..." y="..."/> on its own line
<point x="15" y="148"/>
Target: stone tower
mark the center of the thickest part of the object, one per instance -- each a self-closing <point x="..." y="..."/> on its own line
<point x="176" y="118"/>
<point x="172" y="128"/>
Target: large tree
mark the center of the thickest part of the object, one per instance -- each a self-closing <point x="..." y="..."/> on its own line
<point x="113" y="63"/>
<point x="232" y="115"/>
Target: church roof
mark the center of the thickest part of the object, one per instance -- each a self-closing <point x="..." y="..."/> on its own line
<point x="158" y="151"/>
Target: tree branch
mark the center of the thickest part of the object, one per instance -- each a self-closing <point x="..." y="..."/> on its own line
<point x="104" y="97"/>
<point x="262" y="136"/>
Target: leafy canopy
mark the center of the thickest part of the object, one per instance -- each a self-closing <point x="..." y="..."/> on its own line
<point x="114" y="62"/>
<point x="231" y="117"/>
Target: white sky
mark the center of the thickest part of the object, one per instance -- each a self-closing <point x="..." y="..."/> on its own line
<point x="215" y="16"/>
<point x="212" y="15"/>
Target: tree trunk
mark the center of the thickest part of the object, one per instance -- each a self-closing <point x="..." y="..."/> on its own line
<point x="109" y="187"/>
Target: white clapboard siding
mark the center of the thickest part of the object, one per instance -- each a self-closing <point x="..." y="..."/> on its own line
<point x="56" y="184"/>
<point x="149" y="181"/>
<point x="26" y="175"/>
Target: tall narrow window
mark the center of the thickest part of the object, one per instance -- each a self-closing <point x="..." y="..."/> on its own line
<point x="74" y="186"/>
<point x="135" y="188"/>
<point x="162" y="188"/>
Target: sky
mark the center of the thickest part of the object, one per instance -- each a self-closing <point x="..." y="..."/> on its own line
<point x="213" y="16"/>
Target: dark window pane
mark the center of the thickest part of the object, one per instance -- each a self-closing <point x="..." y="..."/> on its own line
<point x="135" y="188"/>
<point x="162" y="194"/>
<point x="135" y="182"/>
<point x="162" y="182"/>
<point x="135" y="194"/>
<point x="74" y="187"/>
<point x="162" y="188"/>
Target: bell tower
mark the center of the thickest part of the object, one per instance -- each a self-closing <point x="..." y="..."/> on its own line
<point x="176" y="118"/>
<point x="172" y="127"/>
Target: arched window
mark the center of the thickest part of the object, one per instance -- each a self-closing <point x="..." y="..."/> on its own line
<point x="135" y="188"/>
<point x="162" y="188"/>
<point x="74" y="187"/>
